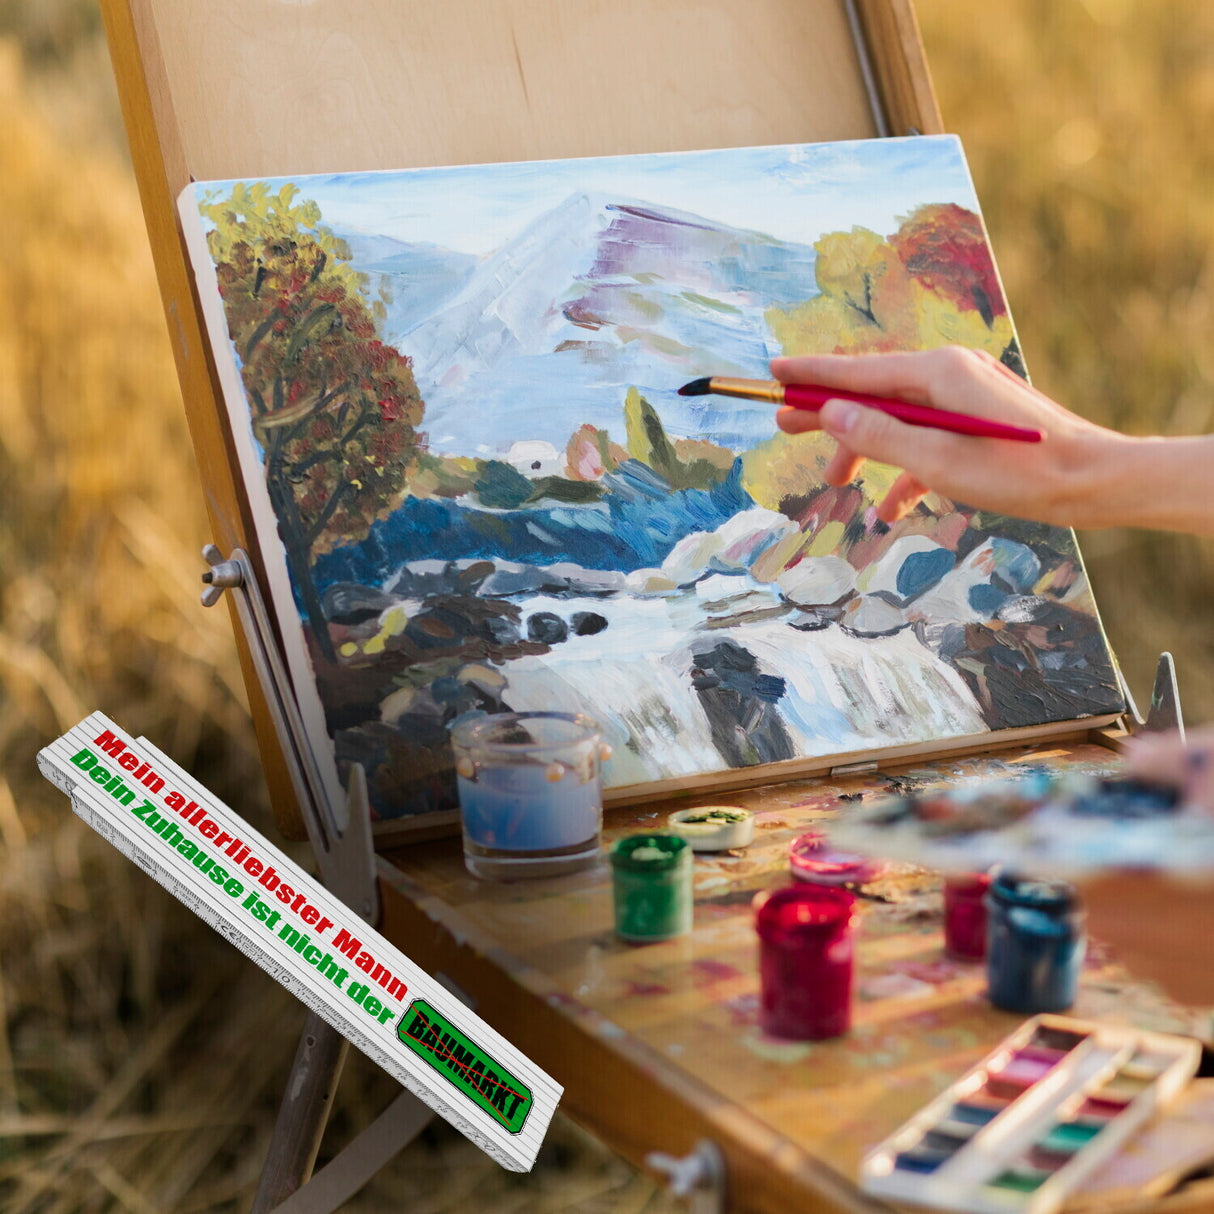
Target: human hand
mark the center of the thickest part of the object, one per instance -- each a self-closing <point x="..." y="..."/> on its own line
<point x="1159" y="928"/>
<point x="1059" y="480"/>
<point x="1162" y="928"/>
<point x="1188" y="764"/>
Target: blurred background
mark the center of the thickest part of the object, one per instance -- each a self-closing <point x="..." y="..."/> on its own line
<point x="141" y="1058"/>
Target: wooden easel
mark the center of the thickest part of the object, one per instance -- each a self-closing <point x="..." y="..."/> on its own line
<point x="225" y="89"/>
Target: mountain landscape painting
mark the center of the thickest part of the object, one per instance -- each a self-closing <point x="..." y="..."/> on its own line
<point x="454" y="396"/>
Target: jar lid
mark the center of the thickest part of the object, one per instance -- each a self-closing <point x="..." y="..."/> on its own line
<point x="1015" y="890"/>
<point x="967" y="884"/>
<point x="811" y="859"/>
<point x="798" y="909"/>
<point x="649" y="853"/>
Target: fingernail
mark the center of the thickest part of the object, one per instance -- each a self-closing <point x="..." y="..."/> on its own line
<point x="841" y="415"/>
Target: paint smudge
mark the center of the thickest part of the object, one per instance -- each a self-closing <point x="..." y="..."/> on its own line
<point x="894" y="986"/>
<point x="770" y="1049"/>
<point x="706" y="971"/>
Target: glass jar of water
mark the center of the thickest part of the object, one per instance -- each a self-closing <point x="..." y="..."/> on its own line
<point x="530" y="793"/>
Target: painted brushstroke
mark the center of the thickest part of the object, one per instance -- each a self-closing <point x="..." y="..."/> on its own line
<point x="460" y="389"/>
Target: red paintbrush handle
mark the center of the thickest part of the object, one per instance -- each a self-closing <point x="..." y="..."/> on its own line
<point x="812" y="397"/>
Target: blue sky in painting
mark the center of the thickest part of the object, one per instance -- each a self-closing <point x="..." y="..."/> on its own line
<point x="527" y="233"/>
<point x="792" y="192"/>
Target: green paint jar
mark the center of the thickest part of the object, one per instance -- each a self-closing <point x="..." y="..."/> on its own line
<point x="651" y="876"/>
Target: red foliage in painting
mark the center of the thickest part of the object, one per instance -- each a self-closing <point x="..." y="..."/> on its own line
<point x="944" y="246"/>
<point x="334" y="408"/>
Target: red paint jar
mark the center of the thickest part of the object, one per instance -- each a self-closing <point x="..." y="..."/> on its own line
<point x="965" y="915"/>
<point x="805" y="961"/>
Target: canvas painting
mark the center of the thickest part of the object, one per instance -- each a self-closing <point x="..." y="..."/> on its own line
<point x="454" y="391"/>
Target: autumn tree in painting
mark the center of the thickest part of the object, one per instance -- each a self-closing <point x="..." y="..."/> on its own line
<point x="334" y="409"/>
<point x="932" y="283"/>
<point x="944" y="246"/>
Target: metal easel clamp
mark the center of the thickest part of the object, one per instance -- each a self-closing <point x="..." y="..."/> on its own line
<point x="344" y="850"/>
<point x="699" y="1177"/>
<point x="1165" y="712"/>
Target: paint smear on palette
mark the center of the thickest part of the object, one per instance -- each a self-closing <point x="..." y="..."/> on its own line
<point x="770" y="1049"/>
<point x="707" y="972"/>
<point x="633" y="988"/>
<point x="1049" y="822"/>
<point x="508" y="506"/>
<point x="935" y="973"/>
<point x="743" y="1009"/>
<point x="894" y="986"/>
<point x="771" y="820"/>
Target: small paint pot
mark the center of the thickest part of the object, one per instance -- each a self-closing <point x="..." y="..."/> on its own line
<point x="965" y="915"/>
<point x="810" y="858"/>
<point x="1035" y="944"/>
<point x="805" y="961"/>
<point x="651" y="880"/>
<point x="713" y="827"/>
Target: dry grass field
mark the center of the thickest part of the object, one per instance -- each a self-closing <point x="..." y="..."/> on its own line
<point x="140" y="1057"/>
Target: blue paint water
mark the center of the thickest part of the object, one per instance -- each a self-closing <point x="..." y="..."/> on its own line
<point x="516" y="812"/>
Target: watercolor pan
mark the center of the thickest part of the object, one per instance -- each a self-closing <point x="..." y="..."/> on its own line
<point x="1026" y="1125"/>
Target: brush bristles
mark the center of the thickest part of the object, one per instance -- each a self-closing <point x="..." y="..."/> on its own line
<point x="697" y="387"/>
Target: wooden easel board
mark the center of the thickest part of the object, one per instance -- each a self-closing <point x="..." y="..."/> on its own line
<point x="222" y="89"/>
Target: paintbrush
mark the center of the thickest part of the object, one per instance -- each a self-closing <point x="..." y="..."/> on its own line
<point x="812" y="397"/>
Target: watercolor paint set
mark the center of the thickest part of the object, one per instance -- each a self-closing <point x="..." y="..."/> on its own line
<point x="1027" y="1125"/>
<point x="1050" y="823"/>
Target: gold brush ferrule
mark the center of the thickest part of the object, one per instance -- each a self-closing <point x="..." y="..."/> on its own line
<point x="749" y="389"/>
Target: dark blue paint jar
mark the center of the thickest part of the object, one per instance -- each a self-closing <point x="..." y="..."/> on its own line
<point x="1035" y="944"/>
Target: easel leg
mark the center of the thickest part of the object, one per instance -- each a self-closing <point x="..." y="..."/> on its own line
<point x="302" y="1116"/>
<point x="344" y="1175"/>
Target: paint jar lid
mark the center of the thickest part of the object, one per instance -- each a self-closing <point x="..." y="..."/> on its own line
<point x="810" y="858"/>
<point x="1014" y="890"/>
<point x="967" y="885"/>
<point x="650" y="853"/>
<point x="802" y="910"/>
<point x="713" y="827"/>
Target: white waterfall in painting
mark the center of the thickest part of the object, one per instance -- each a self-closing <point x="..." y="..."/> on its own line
<point x="841" y="692"/>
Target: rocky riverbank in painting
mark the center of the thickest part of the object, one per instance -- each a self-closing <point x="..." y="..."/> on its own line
<point x="745" y="639"/>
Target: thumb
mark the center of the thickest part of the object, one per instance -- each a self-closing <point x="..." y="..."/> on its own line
<point x="874" y="434"/>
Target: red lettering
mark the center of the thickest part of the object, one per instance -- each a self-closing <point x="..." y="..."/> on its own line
<point x="345" y="943"/>
<point x="110" y="744"/>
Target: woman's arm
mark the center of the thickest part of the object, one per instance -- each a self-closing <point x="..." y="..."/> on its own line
<point x="1081" y="475"/>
